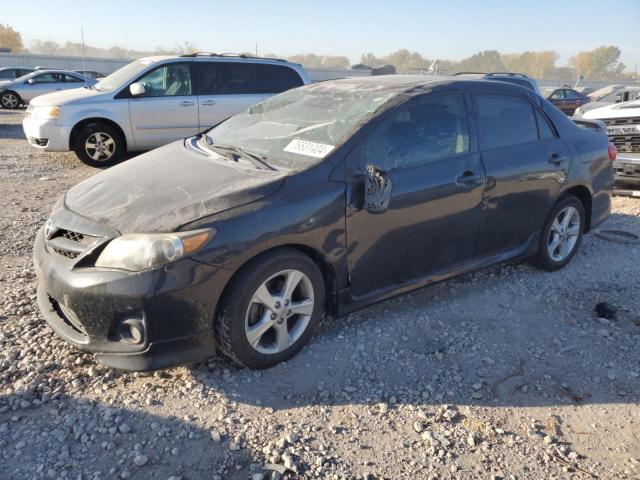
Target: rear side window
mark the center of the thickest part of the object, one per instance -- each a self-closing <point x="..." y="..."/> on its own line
<point x="505" y="120"/>
<point x="225" y="78"/>
<point x="72" y="79"/>
<point x="425" y="130"/>
<point x="277" y="79"/>
<point x="7" y="74"/>
<point x="545" y="131"/>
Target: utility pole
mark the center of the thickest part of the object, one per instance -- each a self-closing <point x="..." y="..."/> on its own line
<point x="84" y="51"/>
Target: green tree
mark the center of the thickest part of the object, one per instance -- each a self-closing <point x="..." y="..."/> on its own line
<point x="10" y="38"/>
<point x="598" y="64"/>
<point x="487" y="61"/>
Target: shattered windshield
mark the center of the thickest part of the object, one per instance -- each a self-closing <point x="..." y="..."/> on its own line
<point x="300" y="127"/>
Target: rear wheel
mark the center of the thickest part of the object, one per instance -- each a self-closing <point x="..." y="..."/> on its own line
<point x="10" y="100"/>
<point x="562" y="234"/>
<point x="271" y="309"/>
<point x="99" y="145"/>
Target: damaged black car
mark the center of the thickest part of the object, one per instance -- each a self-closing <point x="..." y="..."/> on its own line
<point x="320" y="200"/>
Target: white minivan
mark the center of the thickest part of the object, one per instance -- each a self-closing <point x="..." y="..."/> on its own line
<point x="154" y="101"/>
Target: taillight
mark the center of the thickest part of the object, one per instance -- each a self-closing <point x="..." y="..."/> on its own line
<point x="613" y="152"/>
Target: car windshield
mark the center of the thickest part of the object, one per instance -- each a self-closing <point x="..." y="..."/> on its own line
<point x="117" y="78"/>
<point x="298" y="128"/>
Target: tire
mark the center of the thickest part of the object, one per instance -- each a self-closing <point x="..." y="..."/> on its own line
<point x="568" y="209"/>
<point x="240" y="315"/>
<point x="109" y="145"/>
<point x="10" y="100"/>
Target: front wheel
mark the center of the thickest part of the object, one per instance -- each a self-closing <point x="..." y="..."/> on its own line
<point x="10" y="100"/>
<point x="562" y="234"/>
<point x="270" y="309"/>
<point x="99" y="145"/>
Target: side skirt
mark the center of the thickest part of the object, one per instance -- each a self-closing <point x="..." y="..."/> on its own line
<point x="348" y="303"/>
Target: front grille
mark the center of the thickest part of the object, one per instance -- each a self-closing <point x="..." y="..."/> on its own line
<point x="70" y="244"/>
<point x="622" y="121"/>
<point x="626" y="143"/>
<point x="628" y="169"/>
<point x="66" y="253"/>
<point x="81" y="238"/>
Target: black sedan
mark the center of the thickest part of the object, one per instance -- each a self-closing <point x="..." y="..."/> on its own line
<point x="568" y="99"/>
<point x="320" y="200"/>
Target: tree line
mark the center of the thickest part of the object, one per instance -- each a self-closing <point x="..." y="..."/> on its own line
<point x="602" y="63"/>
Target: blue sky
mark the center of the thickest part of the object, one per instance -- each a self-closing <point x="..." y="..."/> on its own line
<point x="451" y="29"/>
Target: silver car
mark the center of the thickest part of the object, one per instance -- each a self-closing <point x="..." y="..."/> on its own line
<point x="22" y="90"/>
<point x="154" y="101"/>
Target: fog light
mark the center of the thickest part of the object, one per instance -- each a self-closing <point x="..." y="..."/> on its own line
<point x="131" y="330"/>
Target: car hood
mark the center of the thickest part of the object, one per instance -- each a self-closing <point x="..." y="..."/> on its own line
<point x="63" y="97"/>
<point x="615" y="110"/>
<point x="166" y="188"/>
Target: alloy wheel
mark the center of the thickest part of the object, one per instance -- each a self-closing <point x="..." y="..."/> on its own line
<point x="10" y="100"/>
<point x="279" y="312"/>
<point x="100" y="146"/>
<point x="564" y="233"/>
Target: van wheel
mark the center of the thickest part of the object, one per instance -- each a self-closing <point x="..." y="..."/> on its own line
<point x="270" y="309"/>
<point x="562" y="234"/>
<point x="10" y="100"/>
<point x="99" y="145"/>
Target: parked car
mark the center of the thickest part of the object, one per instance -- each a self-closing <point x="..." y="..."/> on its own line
<point x="154" y="101"/>
<point x="91" y="73"/>
<point x="623" y="128"/>
<point x="567" y="99"/>
<point x="321" y="199"/>
<point x="24" y="89"/>
<point x="9" y="73"/>
<point x="509" y="77"/>
<point x="607" y="96"/>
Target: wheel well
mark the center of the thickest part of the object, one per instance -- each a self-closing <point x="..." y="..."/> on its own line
<point x="76" y="128"/>
<point x="584" y="195"/>
<point x="15" y="93"/>
<point x="328" y="273"/>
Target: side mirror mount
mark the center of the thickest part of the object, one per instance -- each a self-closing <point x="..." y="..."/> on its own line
<point x="136" y="89"/>
<point x="377" y="190"/>
<point x="31" y="81"/>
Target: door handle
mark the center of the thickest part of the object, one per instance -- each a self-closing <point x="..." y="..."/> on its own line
<point x="469" y="179"/>
<point x="208" y="102"/>
<point x="556" y="159"/>
<point x="186" y="103"/>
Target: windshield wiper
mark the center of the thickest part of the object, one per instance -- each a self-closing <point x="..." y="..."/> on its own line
<point x="243" y="152"/>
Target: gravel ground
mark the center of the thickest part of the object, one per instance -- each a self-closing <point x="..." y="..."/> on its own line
<point x="505" y="373"/>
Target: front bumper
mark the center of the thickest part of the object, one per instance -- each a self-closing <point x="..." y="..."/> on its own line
<point x="87" y="305"/>
<point x="626" y="167"/>
<point x="46" y="135"/>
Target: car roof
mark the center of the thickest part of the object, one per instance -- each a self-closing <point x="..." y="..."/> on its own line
<point x="225" y="57"/>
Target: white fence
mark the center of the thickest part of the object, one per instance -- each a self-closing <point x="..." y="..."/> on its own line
<point x="108" y="65"/>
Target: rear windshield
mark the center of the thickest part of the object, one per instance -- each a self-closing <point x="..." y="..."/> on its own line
<point x="298" y="128"/>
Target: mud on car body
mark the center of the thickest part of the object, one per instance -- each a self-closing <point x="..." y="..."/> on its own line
<point x="322" y="199"/>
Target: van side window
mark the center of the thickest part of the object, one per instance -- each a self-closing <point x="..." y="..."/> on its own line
<point x="170" y="80"/>
<point x="277" y="79"/>
<point x="424" y="130"/>
<point x="505" y="120"/>
<point x="227" y="78"/>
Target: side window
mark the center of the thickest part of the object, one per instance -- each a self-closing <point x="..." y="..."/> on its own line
<point x="424" y="130"/>
<point x="7" y="74"/>
<point x="276" y="79"/>
<point x="167" y="81"/>
<point x="505" y="120"/>
<point x="558" y="95"/>
<point x="48" y="78"/>
<point x="545" y="131"/>
<point x="72" y="79"/>
<point x="227" y="78"/>
<point x="571" y="94"/>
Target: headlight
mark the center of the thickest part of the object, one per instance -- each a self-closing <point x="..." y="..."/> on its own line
<point x="137" y="252"/>
<point x="44" y="113"/>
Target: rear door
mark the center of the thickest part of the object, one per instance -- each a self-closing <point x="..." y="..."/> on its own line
<point x="434" y="212"/>
<point x="526" y="164"/>
<point x="167" y="110"/>
<point x="224" y="89"/>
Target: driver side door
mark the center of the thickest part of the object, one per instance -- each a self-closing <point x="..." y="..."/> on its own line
<point x="425" y="150"/>
<point x="167" y="110"/>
